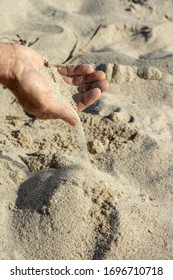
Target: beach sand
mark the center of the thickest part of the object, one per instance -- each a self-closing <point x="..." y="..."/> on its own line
<point x="102" y="189"/>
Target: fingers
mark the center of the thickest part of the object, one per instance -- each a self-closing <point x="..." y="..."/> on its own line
<point x="89" y="93"/>
<point x="84" y="100"/>
<point x="91" y="84"/>
<point x="75" y="70"/>
<point x="86" y="79"/>
<point x="102" y="85"/>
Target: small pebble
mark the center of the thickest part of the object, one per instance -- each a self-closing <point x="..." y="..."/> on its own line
<point x="95" y="147"/>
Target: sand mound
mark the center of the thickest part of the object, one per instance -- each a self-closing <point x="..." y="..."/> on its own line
<point x="59" y="214"/>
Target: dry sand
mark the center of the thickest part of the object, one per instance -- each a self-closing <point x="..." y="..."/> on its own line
<point x="104" y="189"/>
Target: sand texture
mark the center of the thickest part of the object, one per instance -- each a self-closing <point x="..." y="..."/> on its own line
<point x="102" y="189"/>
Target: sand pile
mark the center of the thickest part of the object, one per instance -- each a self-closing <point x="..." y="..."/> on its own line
<point x="61" y="215"/>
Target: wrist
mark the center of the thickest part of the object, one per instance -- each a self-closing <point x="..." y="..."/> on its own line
<point x="7" y="58"/>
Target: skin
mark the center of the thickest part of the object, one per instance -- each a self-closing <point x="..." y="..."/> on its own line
<point x="19" y="71"/>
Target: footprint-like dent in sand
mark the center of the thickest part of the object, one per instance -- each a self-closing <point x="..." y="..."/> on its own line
<point x="65" y="214"/>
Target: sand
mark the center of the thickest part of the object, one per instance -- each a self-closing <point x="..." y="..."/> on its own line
<point x="103" y="189"/>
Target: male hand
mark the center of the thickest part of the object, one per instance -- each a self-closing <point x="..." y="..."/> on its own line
<point x="19" y="71"/>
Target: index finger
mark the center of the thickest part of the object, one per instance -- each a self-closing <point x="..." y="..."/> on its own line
<point x="75" y="70"/>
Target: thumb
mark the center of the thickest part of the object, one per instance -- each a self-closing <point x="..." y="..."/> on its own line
<point x="67" y="114"/>
<point x="56" y="110"/>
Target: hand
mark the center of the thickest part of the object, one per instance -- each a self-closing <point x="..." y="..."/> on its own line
<point x="22" y="77"/>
